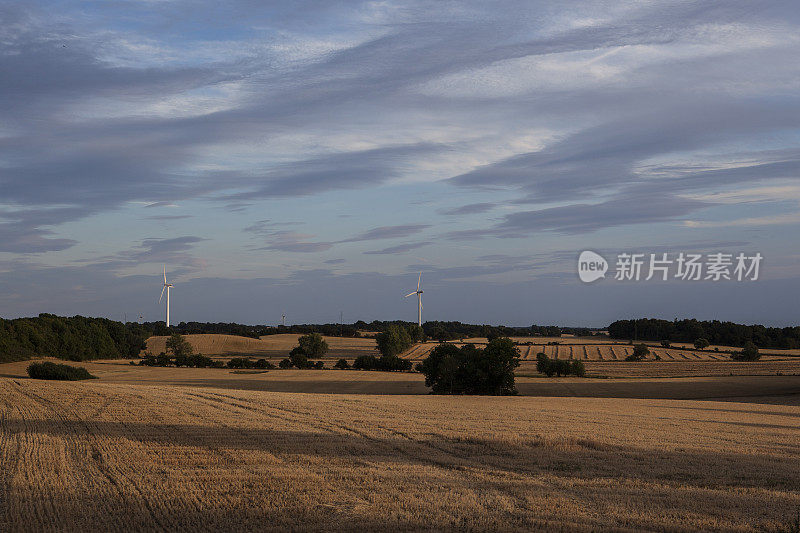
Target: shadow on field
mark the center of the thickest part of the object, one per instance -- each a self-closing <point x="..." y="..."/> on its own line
<point x="734" y="388"/>
<point x="557" y="456"/>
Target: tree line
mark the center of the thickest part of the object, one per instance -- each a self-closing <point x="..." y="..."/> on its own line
<point x="437" y="330"/>
<point x="74" y="338"/>
<point x="714" y="331"/>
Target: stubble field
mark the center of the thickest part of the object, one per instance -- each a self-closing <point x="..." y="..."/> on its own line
<point x="116" y="457"/>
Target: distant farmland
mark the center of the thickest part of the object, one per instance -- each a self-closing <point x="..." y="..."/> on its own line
<point x="583" y="348"/>
<point x="268" y="346"/>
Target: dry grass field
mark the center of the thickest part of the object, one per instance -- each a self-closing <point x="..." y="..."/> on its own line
<point x="268" y="346"/>
<point x="602" y="350"/>
<point x="97" y="456"/>
<point x="276" y="347"/>
<point x="753" y="382"/>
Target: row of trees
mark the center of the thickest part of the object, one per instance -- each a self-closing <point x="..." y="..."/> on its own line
<point x="74" y="338"/>
<point x="470" y="370"/>
<point x="559" y="367"/>
<point x="713" y="332"/>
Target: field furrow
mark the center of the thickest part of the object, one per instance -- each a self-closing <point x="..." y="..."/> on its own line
<point x="112" y="457"/>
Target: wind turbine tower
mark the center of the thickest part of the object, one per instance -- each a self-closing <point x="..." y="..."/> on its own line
<point x="418" y="292"/>
<point x="167" y="287"/>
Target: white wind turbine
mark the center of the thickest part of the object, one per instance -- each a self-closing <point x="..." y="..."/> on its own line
<point x="418" y="292"/>
<point x="167" y="287"/>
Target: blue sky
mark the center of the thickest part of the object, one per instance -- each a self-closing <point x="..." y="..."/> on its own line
<point x="312" y="157"/>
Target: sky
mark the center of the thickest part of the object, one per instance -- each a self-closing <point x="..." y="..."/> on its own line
<point x="312" y="158"/>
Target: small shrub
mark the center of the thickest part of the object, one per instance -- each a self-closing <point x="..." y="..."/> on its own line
<point x="319" y="365"/>
<point x="48" y="370"/>
<point x="263" y="364"/>
<point x="240" y="362"/>
<point x="285" y="363"/>
<point x="665" y="343"/>
<point x="342" y="364"/>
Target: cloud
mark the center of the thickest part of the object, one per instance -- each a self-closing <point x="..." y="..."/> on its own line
<point x="469" y="209"/>
<point x="290" y="241"/>
<point x="638" y="116"/>
<point x="169" y="217"/>
<point x="400" y="248"/>
<point x="389" y="232"/>
<point x="774" y="220"/>
<point x="344" y="170"/>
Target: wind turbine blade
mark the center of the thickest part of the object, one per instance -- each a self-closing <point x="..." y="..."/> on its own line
<point x="162" y="293"/>
<point x="409" y="294"/>
<point x="165" y="275"/>
<point x="419" y="280"/>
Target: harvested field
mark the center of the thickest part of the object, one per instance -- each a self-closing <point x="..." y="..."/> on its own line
<point x="111" y="457"/>
<point x="599" y="352"/>
<point x="268" y="346"/>
<point x="652" y="379"/>
<point x="276" y="347"/>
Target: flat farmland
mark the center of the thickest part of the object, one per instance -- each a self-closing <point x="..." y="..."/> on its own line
<point x="268" y="346"/>
<point x="101" y="456"/>
<point x="756" y="382"/>
<point x="590" y="350"/>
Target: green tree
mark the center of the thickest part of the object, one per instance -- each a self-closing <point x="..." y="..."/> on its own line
<point x="394" y="340"/>
<point x="469" y="370"/>
<point x="640" y="351"/>
<point x="298" y="358"/>
<point x="313" y="345"/>
<point x="179" y="346"/>
<point x="701" y="343"/>
<point x="749" y="353"/>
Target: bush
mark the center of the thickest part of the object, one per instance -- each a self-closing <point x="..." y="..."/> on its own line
<point x="701" y="343"/>
<point x="665" y="343"/>
<point x="559" y="367"/>
<point x="263" y="364"/>
<point x="640" y="351"/>
<point x="749" y="353"/>
<point x="200" y="361"/>
<point x="48" y="370"/>
<point x="285" y="363"/>
<point x="319" y="365"/>
<point x="386" y="363"/>
<point x="298" y="358"/>
<point x="313" y="345"/>
<point x="578" y="368"/>
<point x="240" y="362"/>
<point x="469" y="370"/>
<point x="342" y="364"/>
